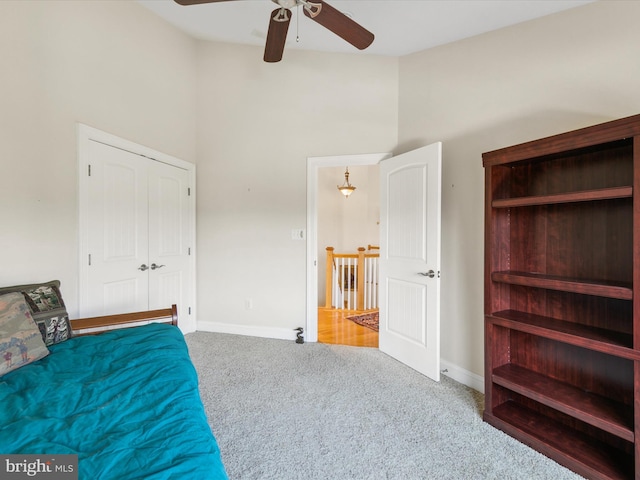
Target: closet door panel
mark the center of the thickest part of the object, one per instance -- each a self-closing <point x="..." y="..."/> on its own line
<point x="168" y="235"/>
<point x="117" y="232"/>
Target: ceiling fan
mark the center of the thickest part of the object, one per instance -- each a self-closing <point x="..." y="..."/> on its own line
<point x="316" y="10"/>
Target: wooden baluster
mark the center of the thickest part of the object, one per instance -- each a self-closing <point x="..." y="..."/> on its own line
<point x="328" y="295"/>
<point x="360" y="275"/>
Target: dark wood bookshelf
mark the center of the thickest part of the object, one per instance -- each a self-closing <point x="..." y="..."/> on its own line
<point x="562" y="321"/>
<point x="578" y="452"/>
<point x="572" y="197"/>
<point x="596" y="410"/>
<point x="600" y="288"/>
<point x="599" y="339"/>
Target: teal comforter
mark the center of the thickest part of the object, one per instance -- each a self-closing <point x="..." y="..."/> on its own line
<point x="126" y="402"/>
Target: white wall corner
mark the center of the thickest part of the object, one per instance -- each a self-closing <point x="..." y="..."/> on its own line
<point x="463" y="376"/>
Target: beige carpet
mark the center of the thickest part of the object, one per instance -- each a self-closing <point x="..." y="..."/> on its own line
<point x="285" y="411"/>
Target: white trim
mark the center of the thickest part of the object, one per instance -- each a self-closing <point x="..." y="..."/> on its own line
<point x="247" y="330"/>
<point x="461" y="375"/>
<point x="85" y="135"/>
<point x="313" y="164"/>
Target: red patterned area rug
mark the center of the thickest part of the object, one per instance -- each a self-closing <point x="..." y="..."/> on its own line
<point x="369" y="320"/>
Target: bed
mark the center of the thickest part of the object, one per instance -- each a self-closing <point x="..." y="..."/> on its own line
<point x="124" y="400"/>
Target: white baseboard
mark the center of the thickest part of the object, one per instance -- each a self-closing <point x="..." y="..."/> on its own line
<point x="463" y="376"/>
<point x="247" y="330"/>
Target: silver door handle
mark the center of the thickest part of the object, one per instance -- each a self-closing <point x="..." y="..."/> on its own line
<point x="143" y="267"/>
<point x="154" y="266"/>
<point x="429" y="274"/>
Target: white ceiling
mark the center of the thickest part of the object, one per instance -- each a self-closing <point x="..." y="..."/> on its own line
<point x="400" y="26"/>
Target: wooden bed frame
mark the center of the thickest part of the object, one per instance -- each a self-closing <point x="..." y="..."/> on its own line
<point x="93" y="325"/>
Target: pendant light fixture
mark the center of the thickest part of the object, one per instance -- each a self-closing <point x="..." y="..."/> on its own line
<point x="346" y="189"/>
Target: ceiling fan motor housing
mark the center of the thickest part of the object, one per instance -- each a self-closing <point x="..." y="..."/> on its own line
<point x="286" y="3"/>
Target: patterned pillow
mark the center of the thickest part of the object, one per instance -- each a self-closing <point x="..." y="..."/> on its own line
<point x="47" y="309"/>
<point x="20" y="340"/>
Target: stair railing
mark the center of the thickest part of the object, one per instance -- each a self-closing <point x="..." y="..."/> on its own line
<point x="352" y="280"/>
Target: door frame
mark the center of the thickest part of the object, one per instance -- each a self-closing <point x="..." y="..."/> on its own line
<point x="85" y="134"/>
<point x="313" y="165"/>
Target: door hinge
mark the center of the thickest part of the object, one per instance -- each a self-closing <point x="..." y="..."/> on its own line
<point x="188" y="191"/>
<point x="189" y="310"/>
<point x="89" y="170"/>
<point x="89" y="259"/>
<point x="189" y="251"/>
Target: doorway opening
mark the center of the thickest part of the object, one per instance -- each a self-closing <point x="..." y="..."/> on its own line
<point x="326" y="324"/>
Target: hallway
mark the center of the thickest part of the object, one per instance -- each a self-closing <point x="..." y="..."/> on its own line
<point x="333" y="327"/>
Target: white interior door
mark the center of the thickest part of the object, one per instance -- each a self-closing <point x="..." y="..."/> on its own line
<point x="410" y="188"/>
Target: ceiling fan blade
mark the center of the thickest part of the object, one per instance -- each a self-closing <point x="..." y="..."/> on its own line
<point x="197" y="2"/>
<point x="277" y="34"/>
<point x="339" y="23"/>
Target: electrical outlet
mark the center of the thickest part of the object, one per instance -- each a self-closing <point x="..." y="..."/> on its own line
<point x="248" y="303"/>
<point x="298" y="234"/>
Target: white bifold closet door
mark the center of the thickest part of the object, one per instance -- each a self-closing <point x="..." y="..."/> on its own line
<point x="138" y="232"/>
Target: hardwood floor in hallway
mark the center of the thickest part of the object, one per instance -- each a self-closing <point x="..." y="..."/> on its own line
<point x="333" y="327"/>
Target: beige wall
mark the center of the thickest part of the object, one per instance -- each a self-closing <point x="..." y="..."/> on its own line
<point x="539" y="78"/>
<point x="257" y="125"/>
<point x="111" y="65"/>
